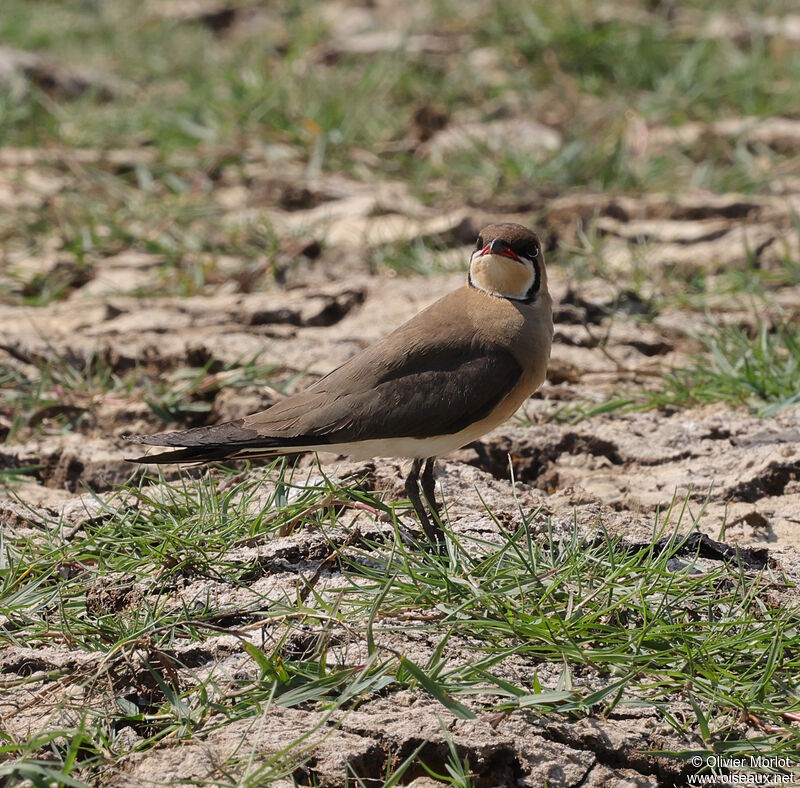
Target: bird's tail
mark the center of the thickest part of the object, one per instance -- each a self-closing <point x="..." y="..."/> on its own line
<point x="228" y="441"/>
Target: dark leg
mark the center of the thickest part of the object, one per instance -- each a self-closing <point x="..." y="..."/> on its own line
<point x="412" y="491"/>
<point x="429" y="486"/>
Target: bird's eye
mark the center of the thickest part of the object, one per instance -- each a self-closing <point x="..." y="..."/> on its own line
<point x="479" y="244"/>
<point x="534" y="252"/>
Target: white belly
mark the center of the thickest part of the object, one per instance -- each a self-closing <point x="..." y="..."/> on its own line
<point x="401" y="447"/>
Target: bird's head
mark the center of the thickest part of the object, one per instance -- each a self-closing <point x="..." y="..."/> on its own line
<point x="508" y="262"/>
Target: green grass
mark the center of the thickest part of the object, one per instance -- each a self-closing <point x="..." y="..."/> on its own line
<point x="761" y="372"/>
<point x="195" y="105"/>
<point x="417" y="257"/>
<point x="603" y="629"/>
<point x="67" y="393"/>
<point x="618" y="627"/>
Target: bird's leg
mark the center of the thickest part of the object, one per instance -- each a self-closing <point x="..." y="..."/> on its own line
<point x="429" y="486"/>
<point x="412" y="491"/>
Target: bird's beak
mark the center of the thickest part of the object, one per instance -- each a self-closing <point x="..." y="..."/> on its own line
<point x="501" y="248"/>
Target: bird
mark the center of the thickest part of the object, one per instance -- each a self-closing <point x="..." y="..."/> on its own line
<point x="452" y="373"/>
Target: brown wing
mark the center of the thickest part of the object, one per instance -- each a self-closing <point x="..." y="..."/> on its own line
<point x="433" y="390"/>
<point x="433" y="393"/>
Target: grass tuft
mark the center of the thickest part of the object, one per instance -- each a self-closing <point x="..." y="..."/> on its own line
<point x="761" y="371"/>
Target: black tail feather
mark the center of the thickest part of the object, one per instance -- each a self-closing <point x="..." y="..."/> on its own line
<point x="198" y="454"/>
<point x="205" y="444"/>
<point x="228" y="441"/>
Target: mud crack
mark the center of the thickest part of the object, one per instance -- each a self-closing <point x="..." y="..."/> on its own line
<point x="531" y="461"/>
<point x="771" y="481"/>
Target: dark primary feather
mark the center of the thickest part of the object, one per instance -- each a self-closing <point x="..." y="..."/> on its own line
<point x="202" y="444"/>
<point x="220" y="433"/>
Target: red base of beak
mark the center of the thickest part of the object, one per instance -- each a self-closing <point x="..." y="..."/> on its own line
<point x="500" y="253"/>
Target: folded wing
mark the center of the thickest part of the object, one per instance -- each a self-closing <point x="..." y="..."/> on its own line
<point x="433" y="390"/>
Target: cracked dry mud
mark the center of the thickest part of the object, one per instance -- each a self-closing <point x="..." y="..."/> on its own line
<point x="747" y="468"/>
<point x="324" y="297"/>
<point x="615" y="469"/>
